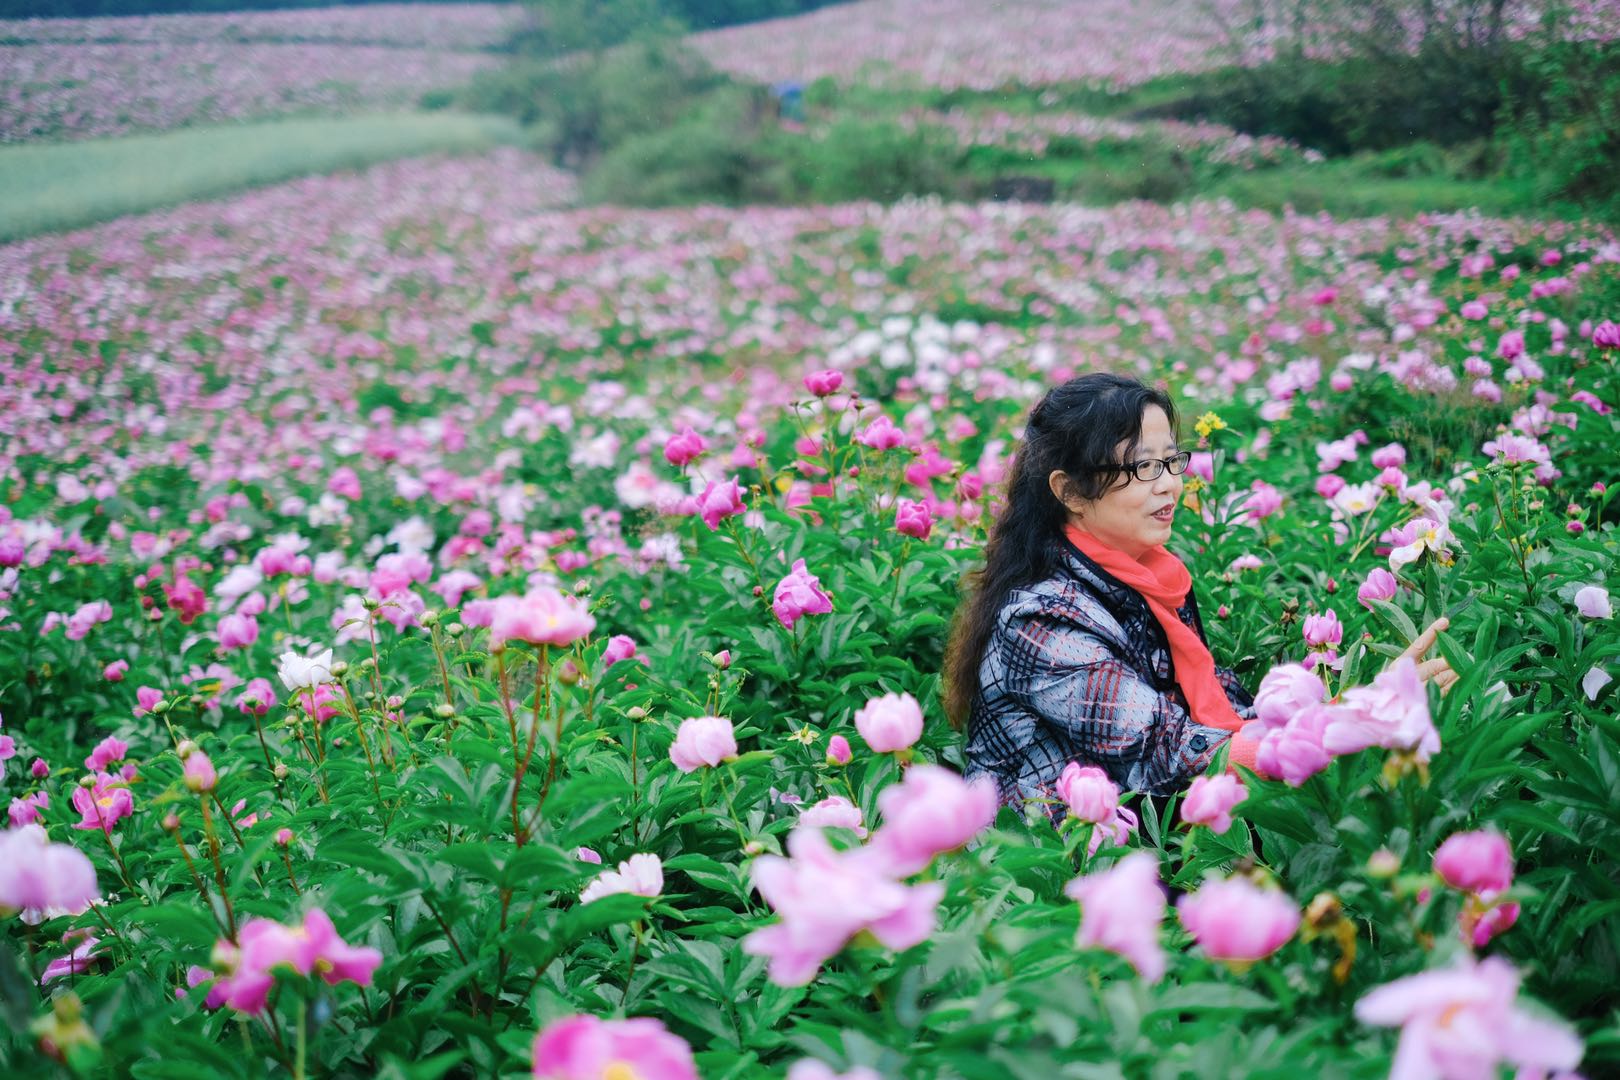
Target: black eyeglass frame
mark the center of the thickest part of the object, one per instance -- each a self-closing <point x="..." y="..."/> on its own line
<point x="1133" y="468"/>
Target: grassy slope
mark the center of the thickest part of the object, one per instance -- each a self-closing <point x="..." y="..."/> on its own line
<point x="44" y="188"/>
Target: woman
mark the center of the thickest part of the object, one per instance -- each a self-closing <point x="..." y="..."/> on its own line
<point x="1081" y="639"/>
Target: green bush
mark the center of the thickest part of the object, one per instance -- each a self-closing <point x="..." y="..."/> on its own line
<point x="872" y="159"/>
<point x="710" y="157"/>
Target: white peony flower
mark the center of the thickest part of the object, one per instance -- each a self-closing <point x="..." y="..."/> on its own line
<point x="304" y="672"/>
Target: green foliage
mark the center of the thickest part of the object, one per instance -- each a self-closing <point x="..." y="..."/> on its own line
<point x="69" y="185"/>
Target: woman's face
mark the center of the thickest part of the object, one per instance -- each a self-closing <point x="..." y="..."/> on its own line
<point x="1133" y="515"/>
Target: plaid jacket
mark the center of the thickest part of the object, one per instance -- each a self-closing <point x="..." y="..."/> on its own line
<point x="1078" y="669"/>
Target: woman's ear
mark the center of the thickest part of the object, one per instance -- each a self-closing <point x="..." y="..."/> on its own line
<point x="1059" y="482"/>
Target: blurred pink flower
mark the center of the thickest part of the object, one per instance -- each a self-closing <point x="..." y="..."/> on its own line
<point x="1464" y="1022"/>
<point x="799" y="594"/>
<point x="115" y="671"/>
<point x="541" y="616"/>
<point x="881" y="434"/>
<point x="1210" y="800"/>
<point x="811" y="1069"/>
<point x="702" y="741"/>
<point x="822" y="383"/>
<point x="345" y="482"/>
<point x="1323" y="629"/>
<point x="1284" y="692"/>
<point x="1606" y="335"/>
<point x="1262" y="501"/>
<point x="312" y="947"/>
<point x="890" y="723"/>
<point x="1121" y="909"/>
<point x="199" y="774"/>
<point x="1087" y="792"/>
<point x="256" y="698"/>
<point x="1477" y="862"/>
<point x="77" y="961"/>
<point x="720" y="501"/>
<point x="826" y="897"/>
<point x="685" y="447"/>
<point x="1234" y="919"/>
<point x="933" y="810"/>
<point x="237" y="631"/>
<point x="1392" y="712"/>
<point x="1496" y="918"/>
<point x="587" y="1048"/>
<point x="619" y="647"/>
<point x="38" y="874"/>
<point x="103" y="804"/>
<point x="108" y="752"/>
<point x="836" y="811"/>
<point x="1293" y="752"/>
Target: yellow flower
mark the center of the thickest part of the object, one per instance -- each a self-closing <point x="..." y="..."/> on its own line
<point x="1207" y="423"/>
<point x="806" y="735"/>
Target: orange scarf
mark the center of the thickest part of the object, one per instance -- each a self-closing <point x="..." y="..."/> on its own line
<point x="1163" y="581"/>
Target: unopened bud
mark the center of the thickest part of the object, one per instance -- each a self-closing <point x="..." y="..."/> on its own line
<point x="753" y="847"/>
<point x="1383" y="863"/>
<point x="758" y="591"/>
<point x="87" y="781"/>
<point x="568" y="673"/>
<point x="444" y="710"/>
<point x="283" y="837"/>
<point x="636" y="712"/>
<point x="370" y="603"/>
<point x="171" y="821"/>
<point x="340" y="669"/>
<point x="428" y="618"/>
<point x="581" y="588"/>
<point x="394" y="701"/>
<point x="159" y="708"/>
<point x="455" y="629"/>
<point x="185" y="749"/>
<point x="367" y="664"/>
<point x="280" y="771"/>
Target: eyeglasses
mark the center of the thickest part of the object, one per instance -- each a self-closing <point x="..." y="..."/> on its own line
<point x="1150" y="469"/>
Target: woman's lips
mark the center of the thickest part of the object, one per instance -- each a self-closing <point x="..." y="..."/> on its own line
<point x="1166" y="514"/>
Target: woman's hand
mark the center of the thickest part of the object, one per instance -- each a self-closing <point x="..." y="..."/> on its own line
<point x="1438" y="669"/>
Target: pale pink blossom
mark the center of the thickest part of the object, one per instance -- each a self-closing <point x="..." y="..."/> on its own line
<point x="1210" y="800"/>
<point x="1121" y="909"/>
<point x="890" y="723"/>
<point x="702" y="741"/>
<point x="639" y="875"/>
<point x="1236" y="920"/>
<point x="587" y="1048"/>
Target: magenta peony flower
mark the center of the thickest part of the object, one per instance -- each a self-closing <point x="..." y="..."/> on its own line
<point x="826" y="897"/>
<point x="1210" y="800"/>
<point x="822" y="383"/>
<point x="1323" y="629"/>
<point x="108" y="752"/>
<point x="1593" y="602"/>
<point x="619" y="647"/>
<point x="913" y="519"/>
<point x="541" y="616"/>
<point x="1392" y="712"/>
<point x="76" y="962"/>
<point x="1262" y="501"/>
<point x="639" y="875"/>
<point x="703" y="741"/>
<point x="345" y="482"/>
<point x="115" y="671"/>
<point x="720" y="501"/>
<point x="104" y="804"/>
<point x="933" y="810"/>
<point x="881" y="434"/>
<point x="838" y="752"/>
<point x="1477" y="862"/>
<point x="799" y="594"/>
<point x="685" y="448"/>
<point x="237" y="631"/>
<point x="257" y="698"/>
<point x="1496" y="919"/>
<point x="587" y="1048"/>
<point x="1380" y="585"/>
<point x="1511" y="345"/>
<point x="1120" y="911"/>
<point x="39" y="875"/>
<point x="1475" y="309"/>
<point x="1606" y="335"/>
<point x="1294" y="752"/>
<point x="1088" y="792"/>
<point x="890" y="723"/>
<point x="1463" y="1021"/>
<point x="1237" y="920"/>
<point x="312" y="947"/>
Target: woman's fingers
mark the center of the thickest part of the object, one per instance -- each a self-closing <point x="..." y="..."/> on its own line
<point x="1425" y="641"/>
<point x="1431" y="669"/>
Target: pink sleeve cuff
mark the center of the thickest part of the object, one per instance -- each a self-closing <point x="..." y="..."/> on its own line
<point x="1243" y="751"/>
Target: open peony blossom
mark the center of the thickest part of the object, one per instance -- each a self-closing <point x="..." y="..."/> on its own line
<point x="1477" y="862"/>
<point x="1293" y="752"/>
<point x="1593" y="602"/>
<point x="304" y="672"/>
<point x="913" y="519"/>
<point x="825" y="897"/>
<point x="1210" y="800"/>
<point x="103" y="804"/>
<point x="1392" y="712"/>
<point x="720" y="501"/>
<point x="799" y="594"/>
<point x="1463" y="1022"/>
<point x="1285" y="692"/>
<point x="1120" y="911"/>
<point x="933" y="810"/>
<point x="588" y="1048"/>
<point x="702" y="741"/>
<point x="265" y="946"/>
<point x="1237" y="920"/>
<point x="639" y="875"/>
<point x="890" y="723"/>
<point x="37" y="874"/>
<point x="540" y="617"/>
<point x="834" y="811"/>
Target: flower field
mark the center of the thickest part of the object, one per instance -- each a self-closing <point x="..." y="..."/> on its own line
<point x="446" y="632"/>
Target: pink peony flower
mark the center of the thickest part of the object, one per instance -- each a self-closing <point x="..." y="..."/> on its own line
<point x="890" y="723"/>
<point x="799" y="594"/>
<point x="1463" y="1022"/>
<point x="913" y="519"/>
<point x="145" y="698"/>
<point x="1475" y="309"/>
<point x="312" y="947"/>
<point x="89" y="615"/>
<point x="933" y="810"/>
<point x="720" y="501"/>
<point x="1237" y="920"/>
<point x="619" y="647"/>
<point x="1294" y="752"/>
<point x="1495" y="919"/>
<point x="108" y="752"/>
<point x="822" y="383"/>
<point x="541" y="616"/>
<point x="1120" y="911"/>
<point x="1477" y="862"/>
<point x="115" y="671"/>
<point x="1511" y="345"/>
<point x="237" y="631"/>
<point x="1593" y="602"/>
<point x="838" y="751"/>
<point x="1285" y="692"/>
<point x="587" y="1048"/>
<point x="1392" y="712"/>
<point x="1262" y="501"/>
<point x="1323" y="629"/>
<point x="256" y="698"/>
<point x="826" y="897"/>
<point x="199" y="774"/>
<point x="834" y="811"/>
<point x="1088" y="792"/>
<point x="703" y="741"/>
<point x="1380" y="585"/>
<point x="1210" y="800"/>
<point x="39" y="875"/>
<point x="76" y="962"/>
<point x="639" y="875"/>
<point x="684" y="448"/>
<point x="104" y="804"/>
<point x="587" y="855"/>
<point x="1606" y="335"/>
<point x="881" y="434"/>
<point x="345" y="482"/>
